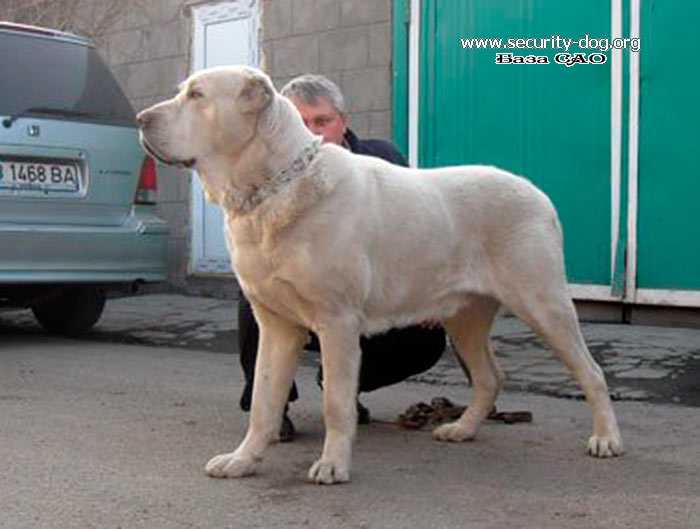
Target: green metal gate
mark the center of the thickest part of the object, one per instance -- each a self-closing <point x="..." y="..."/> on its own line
<point x="616" y="155"/>
<point x="668" y="232"/>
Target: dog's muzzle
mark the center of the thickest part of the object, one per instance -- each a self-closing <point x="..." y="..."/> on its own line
<point x="182" y="164"/>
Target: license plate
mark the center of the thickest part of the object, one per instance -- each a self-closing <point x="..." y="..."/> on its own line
<point x="44" y="177"/>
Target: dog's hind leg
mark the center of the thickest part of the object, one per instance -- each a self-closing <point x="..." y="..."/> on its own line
<point x="278" y="352"/>
<point x="555" y="320"/>
<point x="469" y="330"/>
<point x="536" y="291"/>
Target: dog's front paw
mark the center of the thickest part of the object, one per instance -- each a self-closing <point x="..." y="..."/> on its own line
<point x="328" y="473"/>
<point x="455" y="432"/>
<point x="230" y="466"/>
<point x="605" y="446"/>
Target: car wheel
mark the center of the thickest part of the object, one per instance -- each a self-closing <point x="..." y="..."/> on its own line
<point x="74" y="311"/>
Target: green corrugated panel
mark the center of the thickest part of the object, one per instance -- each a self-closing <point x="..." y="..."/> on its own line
<point x="547" y="122"/>
<point x="669" y="147"/>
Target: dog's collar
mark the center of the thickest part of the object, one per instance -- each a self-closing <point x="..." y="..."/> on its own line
<point x="298" y="165"/>
<point x="281" y="178"/>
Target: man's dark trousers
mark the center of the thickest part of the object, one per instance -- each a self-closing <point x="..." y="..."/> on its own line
<point x="386" y="358"/>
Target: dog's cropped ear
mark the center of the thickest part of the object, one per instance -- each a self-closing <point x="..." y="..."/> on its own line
<point x="256" y="94"/>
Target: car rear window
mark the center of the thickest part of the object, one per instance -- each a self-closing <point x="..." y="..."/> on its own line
<point x="55" y="75"/>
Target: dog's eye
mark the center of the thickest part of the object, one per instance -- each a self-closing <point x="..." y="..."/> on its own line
<point x="195" y="94"/>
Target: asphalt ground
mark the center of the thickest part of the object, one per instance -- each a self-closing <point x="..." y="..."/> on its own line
<point x="642" y="363"/>
<point x="98" y="434"/>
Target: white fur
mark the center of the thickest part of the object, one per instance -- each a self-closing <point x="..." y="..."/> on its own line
<point x="356" y="246"/>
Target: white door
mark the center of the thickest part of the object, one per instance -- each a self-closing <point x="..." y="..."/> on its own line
<point x="224" y="33"/>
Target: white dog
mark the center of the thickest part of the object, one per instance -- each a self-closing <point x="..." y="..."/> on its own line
<point x="346" y="245"/>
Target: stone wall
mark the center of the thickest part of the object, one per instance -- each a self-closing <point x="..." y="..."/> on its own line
<point x="348" y="41"/>
<point x="147" y="44"/>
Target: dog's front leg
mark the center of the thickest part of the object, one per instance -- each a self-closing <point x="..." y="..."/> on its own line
<point x="340" y="356"/>
<point x="278" y="352"/>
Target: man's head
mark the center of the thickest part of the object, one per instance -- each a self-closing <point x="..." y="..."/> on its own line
<point x="321" y="105"/>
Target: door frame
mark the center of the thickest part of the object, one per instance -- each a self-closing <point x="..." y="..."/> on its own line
<point x="202" y="15"/>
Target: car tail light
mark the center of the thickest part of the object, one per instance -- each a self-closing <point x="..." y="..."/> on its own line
<point x="148" y="183"/>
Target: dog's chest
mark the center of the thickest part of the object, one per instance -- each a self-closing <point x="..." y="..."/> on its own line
<point x="270" y="279"/>
<point x="259" y="274"/>
<point x="279" y="294"/>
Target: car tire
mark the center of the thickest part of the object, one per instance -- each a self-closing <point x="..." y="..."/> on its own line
<point x="73" y="312"/>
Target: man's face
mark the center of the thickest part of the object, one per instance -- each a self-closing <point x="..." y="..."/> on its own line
<point x="322" y="118"/>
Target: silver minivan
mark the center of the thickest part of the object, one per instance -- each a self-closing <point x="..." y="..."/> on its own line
<point x="77" y="208"/>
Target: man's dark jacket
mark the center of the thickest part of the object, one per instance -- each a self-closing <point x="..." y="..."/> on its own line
<point x="379" y="148"/>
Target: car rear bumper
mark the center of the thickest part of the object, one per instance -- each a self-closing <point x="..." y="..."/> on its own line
<point x="134" y="251"/>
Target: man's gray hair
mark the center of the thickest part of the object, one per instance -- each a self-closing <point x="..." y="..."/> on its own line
<point x="310" y="87"/>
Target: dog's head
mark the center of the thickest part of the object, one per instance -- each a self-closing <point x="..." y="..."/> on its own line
<point x="215" y="113"/>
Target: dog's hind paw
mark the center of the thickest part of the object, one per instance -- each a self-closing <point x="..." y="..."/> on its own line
<point x="605" y="446"/>
<point x="455" y="432"/>
<point x="230" y="466"/>
<point x="328" y="473"/>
